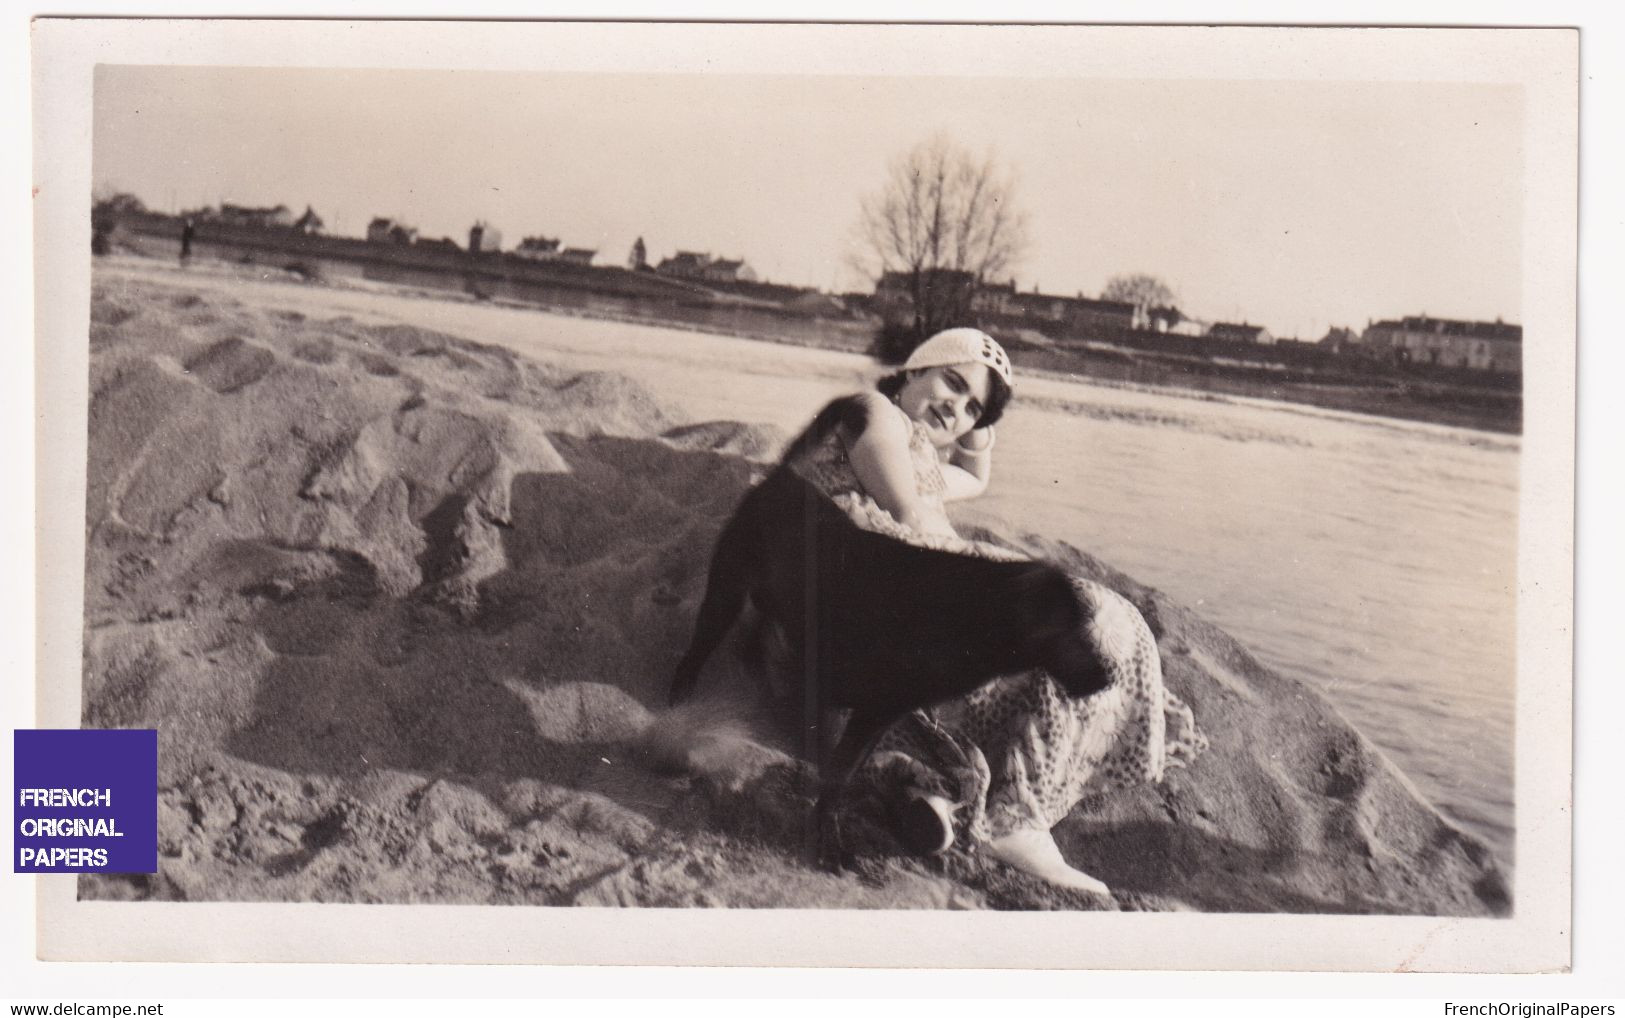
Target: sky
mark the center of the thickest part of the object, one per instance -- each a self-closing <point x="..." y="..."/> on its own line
<point x="1293" y="204"/>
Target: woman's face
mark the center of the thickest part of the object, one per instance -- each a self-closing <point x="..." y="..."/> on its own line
<point x="948" y="400"/>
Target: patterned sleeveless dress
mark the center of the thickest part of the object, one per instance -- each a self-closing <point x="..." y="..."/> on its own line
<point x="1020" y="752"/>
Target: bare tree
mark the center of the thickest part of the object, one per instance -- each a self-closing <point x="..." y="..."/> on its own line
<point x="944" y="223"/>
<point x="1140" y="289"/>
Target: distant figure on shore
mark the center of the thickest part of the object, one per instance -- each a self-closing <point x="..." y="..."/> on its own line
<point x="188" y="231"/>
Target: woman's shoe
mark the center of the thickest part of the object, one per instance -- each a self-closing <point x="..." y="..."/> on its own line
<point x="924" y="824"/>
<point x="1035" y="852"/>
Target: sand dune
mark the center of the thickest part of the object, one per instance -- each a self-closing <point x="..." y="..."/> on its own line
<point x="399" y="604"/>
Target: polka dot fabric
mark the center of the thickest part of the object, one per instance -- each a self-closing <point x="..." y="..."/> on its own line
<point x="961" y="346"/>
<point x="1044" y="750"/>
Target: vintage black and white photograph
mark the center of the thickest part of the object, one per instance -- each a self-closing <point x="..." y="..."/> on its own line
<point x="966" y="487"/>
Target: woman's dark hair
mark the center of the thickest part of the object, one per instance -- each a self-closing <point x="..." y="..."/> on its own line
<point x="998" y="395"/>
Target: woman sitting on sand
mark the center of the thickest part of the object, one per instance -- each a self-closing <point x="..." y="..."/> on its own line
<point x="926" y="437"/>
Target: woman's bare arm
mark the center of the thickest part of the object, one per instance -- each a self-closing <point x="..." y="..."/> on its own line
<point x="881" y="460"/>
<point x="969" y="466"/>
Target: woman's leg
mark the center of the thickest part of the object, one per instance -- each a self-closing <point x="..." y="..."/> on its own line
<point x="1034" y="851"/>
<point x="1049" y="746"/>
<point x="1053" y="749"/>
<point x="933" y="783"/>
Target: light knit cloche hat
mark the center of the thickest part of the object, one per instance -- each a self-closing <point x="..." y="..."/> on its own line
<point x="961" y="346"/>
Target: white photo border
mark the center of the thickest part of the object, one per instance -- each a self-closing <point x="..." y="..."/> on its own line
<point x="1536" y="938"/>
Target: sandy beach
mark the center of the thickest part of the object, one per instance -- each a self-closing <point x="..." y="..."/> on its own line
<point x="402" y="605"/>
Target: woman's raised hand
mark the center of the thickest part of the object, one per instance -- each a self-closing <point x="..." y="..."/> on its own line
<point x="976" y="441"/>
<point x="970" y="464"/>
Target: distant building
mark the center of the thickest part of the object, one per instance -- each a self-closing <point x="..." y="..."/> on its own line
<point x="1157" y="319"/>
<point x="440" y="243"/>
<point x="699" y="265"/>
<point x="1078" y="313"/>
<point x="539" y="248"/>
<point x="1042" y="305"/>
<point x="482" y="236"/>
<point x="577" y="255"/>
<point x="638" y="260"/>
<point x="1339" y="340"/>
<point x="1054" y="312"/>
<point x="688" y="264"/>
<point x="1085" y="313"/>
<point x="726" y="270"/>
<point x="996" y="299"/>
<point x="1242" y="333"/>
<point x="1480" y="346"/>
<point x="894" y="291"/>
<point x="244" y="215"/>
<point x="384" y="230"/>
<point x="310" y="222"/>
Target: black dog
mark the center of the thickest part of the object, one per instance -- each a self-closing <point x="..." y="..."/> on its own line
<point x="880" y="626"/>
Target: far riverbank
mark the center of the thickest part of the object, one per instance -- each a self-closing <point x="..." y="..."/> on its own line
<point x="1436" y="398"/>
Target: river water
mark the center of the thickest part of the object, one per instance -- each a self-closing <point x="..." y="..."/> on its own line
<point x="1372" y="558"/>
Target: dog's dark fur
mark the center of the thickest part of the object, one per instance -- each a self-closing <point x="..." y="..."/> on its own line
<point x="881" y="627"/>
